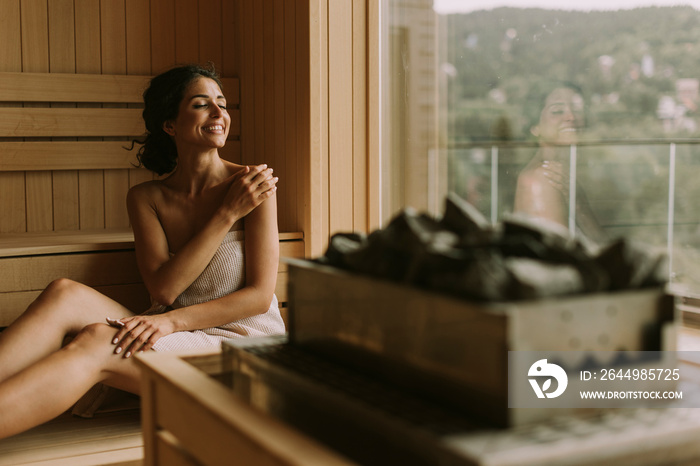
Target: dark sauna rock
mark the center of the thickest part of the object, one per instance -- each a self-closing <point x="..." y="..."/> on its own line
<point x="466" y="221"/>
<point x="633" y="265"/>
<point x="462" y="254"/>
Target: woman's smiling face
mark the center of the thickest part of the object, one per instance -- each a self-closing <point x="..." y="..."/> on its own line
<point x="202" y="119"/>
<point x="561" y="118"/>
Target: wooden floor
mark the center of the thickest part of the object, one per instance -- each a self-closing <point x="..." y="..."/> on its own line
<point x="107" y="439"/>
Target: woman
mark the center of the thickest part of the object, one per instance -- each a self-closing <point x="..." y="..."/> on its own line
<point x="188" y="231"/>
<point x="543" y="186"/>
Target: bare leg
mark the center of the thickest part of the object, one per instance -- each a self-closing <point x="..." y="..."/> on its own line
<point x="63" y="308"/>
<point x="46" y="389"/>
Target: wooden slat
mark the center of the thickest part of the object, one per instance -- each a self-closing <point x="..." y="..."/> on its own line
<point x="43" y="122"/>
<point x="31" y="244"/>
<point x="113" y="34"/>
<point x="210" y="33"/>
<point x="87" y="55"/>
<point x="162" y="35"/>
<point x="291" y="183"/>
<point x="91" y="192"/>
<point x="248" y="95"/>
<point x="66" y="155"/>
<point x="359" y="116"/>
<point x="35" y="58"/>
<point x="116" y="188"/>
<point x="231" y="54"/>
<point x="66" y="87"/>
<point x="186" y="25"/>
<point x="373" y="116"/>
<point x="340" y="116"/>
<point x="66" y="212"/>
<point x="11" y="50"/>
<point x="66" y="205"/>
<point x="35" y="36"/>
<point x="12" y="192"/>
<point x="138" y="33"/>
<point x="277" y="122"/>
<point x="98" y="88"/>
<point x="270" y="134"/>
<point x="259" y="88"/>
<point x="39" y="201"/>
<point x="87" y="60"/>
<point x="12" y="206"/>
<point x="304" y="118"/>
<point x="92" y="269"/>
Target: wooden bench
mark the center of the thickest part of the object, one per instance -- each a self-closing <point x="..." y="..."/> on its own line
<point x="105" y="261"/>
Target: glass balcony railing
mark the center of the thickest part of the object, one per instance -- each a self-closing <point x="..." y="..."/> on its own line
<point x="645" y="190"/>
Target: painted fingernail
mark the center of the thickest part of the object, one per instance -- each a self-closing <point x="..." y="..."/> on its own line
<point x="118" y="350"/>
<point x="115" y="341"/>
<point x="128" y="353"/>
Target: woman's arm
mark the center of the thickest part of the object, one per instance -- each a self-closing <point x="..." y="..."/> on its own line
<point x="261" y="262"/>
<point x="167" y="277"/>
<point x="261" y="258"/>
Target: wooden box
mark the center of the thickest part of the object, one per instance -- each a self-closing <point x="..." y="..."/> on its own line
<point x="190" y="417"/>
<point x="454" y="350"/>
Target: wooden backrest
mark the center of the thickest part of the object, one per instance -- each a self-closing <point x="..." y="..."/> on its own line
<point x="68" y="132"/>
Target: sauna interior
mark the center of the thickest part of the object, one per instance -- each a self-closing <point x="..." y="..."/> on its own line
<point x="346" y="100"/>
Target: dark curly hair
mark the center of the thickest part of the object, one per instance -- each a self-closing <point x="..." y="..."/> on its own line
<point x="161" y="103"/>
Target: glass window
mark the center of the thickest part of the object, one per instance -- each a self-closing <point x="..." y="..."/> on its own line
<point x="585" y="114"/>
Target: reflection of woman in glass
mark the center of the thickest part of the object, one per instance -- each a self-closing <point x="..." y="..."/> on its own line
<point x="543" y="188"/>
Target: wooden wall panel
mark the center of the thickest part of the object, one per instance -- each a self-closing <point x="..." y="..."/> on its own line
<point x="12" y="208"/>
<point x="265" y="42"/>
<point x="210" y="43"/>
<point x="138" y="59"/>
<point x="291" y="69"/>
<point x="187" y="27"/>
<point x="90" y="37"/>
<point x="35" y="58"/>
<point x="278" y="143"/>
<point x="87" y="60"/>
<point x="340" y="115"/>
<point x="61" y="16"/>
<point x="360" y="102"/>
<point x="231" y="34"/>
<point x="113" y="34"/>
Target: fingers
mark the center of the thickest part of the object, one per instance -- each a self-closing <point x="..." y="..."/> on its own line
<point x="261" y="183"/>
<point x="136" y="335"/>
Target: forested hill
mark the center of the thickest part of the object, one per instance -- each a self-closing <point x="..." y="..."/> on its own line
<point x="636" y="55"/>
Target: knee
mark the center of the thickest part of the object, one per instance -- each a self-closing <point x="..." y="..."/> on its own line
<point x="92" y="335"/>
<point x="59" y="292"/>
<point x="61" y="287"/>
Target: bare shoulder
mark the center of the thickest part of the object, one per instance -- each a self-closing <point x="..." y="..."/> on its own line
<point x="145" y="193"/>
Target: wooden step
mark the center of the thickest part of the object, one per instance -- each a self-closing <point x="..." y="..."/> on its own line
<point x="112" y="439"/>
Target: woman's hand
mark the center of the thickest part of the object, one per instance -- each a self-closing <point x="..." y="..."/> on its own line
<point x="248" y="188"/>
<point x="140" y="333"/>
